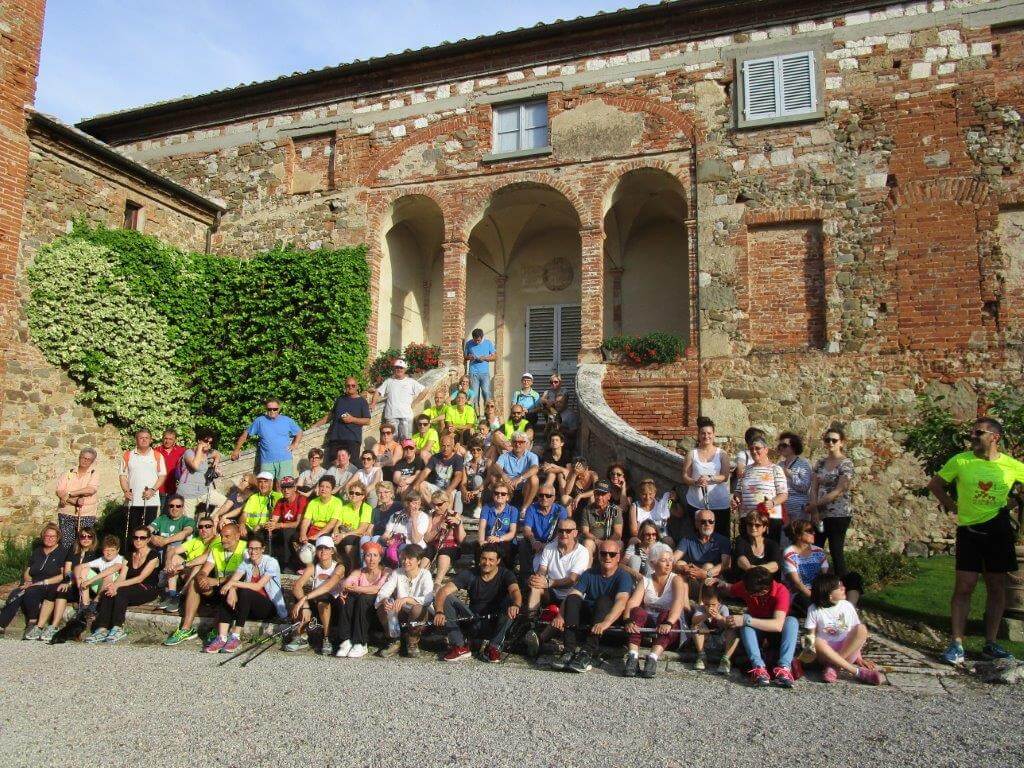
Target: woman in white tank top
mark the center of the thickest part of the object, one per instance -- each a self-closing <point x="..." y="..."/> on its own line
<point x="657" y="603"/>
<point x="706" y="475"/>
<point x="322" y="577"/>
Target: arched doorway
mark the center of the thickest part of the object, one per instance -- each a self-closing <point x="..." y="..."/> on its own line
<point x="410" y="290"/>
<point x="523" y="285"/>
<point x="646" y="259"/>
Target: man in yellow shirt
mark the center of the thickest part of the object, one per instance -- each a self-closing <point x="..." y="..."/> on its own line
<point x="983" y="478"/>
<point x="426" y="438"/>
<point x="460" y="416"/>
<point x="322" y="513"/>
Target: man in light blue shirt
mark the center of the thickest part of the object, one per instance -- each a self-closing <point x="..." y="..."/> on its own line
<point x="479" y="354"/>
<point x="520" y="468"/>
<point x="278" y="435"/>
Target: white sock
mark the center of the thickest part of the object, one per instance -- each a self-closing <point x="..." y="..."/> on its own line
<point x="652" y="657"/>
<point x="634" y="654"/>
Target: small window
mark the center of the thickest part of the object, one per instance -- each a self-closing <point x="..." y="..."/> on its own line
<point x="520" y="127"/>
<point x="132" y="215"/>
<point x="778" y="87"/>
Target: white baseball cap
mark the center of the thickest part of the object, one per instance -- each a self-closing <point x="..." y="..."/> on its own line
<point x="527" y="375"/>
<point x="399" y="363"/>
<point x="265" y="476"/>
<point x="325" y="541"/>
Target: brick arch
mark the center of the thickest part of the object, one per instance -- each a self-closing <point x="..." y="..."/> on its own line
<point x="961" y="190"/>
<point x="418" y="136"/>
<point x="602" y="204"/>
<point x="694" y="130"/>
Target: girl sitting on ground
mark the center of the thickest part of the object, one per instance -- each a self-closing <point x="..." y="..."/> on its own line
<point x="836" y="633"/>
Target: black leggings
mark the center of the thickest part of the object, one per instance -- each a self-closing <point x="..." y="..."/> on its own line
<point x="250" y="605"/>
<point x="30" y="602"/>
<point x="580" y="616"/>
<point x="835" y="535"/>
<point x="351" y="620"/>
<point x="112" y="610"/>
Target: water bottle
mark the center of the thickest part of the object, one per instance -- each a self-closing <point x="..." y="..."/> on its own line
<point x="394" y="630"/>
<point x="820" y="526"/>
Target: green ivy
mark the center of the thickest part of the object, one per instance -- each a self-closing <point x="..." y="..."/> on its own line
<point x="158" y="337"/>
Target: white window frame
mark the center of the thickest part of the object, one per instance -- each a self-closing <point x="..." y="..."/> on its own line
<point x="781" y="114"/>
<point x="520" y="106"/>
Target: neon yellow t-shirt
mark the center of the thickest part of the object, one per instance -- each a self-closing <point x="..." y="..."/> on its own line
<point x="320" y="513"/>
<point x="348" y="517"/>
<point x="464" y="418"/>
<point x="256" y="510"/>
<point x="195" y="547"/>
<point x="511" y="427"/>
<point x="428" y="440"/>
<point x="219" y="555"/>
<point x="982" y="486"/>
<point x="435" y="412"/>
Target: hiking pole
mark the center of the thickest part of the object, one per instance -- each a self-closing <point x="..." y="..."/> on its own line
<point x="474" y="617"/>
<point x="259" y="641"/>
<point x="313" y="625"/>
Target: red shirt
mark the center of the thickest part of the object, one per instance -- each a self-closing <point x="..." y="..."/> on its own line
<point x="172" y="457"/>
<point x="763" y="606"/>
<point x="290" y="511"/>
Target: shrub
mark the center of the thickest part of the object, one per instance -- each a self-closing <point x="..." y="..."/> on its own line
<point x="655" y="347"/>
<point x="14" y="557"/>
<point x="419" y="357"/>
<point x="879" y="566"/>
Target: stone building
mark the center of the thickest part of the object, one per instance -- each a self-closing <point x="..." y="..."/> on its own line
<point x="823" y="198"/>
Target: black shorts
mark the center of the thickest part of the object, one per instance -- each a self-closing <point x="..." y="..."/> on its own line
<point x="450" y="552"/>
<point x="986" y="548"/>
<point x="213" y="598"/>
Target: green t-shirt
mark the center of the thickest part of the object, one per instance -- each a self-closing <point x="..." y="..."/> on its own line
<point x="510" y="427"/>
<point x="464" y="418"/>
<point x="320" y="513"/>
<point x="349" y="518"/>
<point x="982" y="486"/>
<point x="165" y="525"/>
<point x="256" y="510"/>
<point x="428" y="440"/>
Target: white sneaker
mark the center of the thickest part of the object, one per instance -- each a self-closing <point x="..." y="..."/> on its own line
<point x="358" y="651"/>
<point x="343" y="650"/>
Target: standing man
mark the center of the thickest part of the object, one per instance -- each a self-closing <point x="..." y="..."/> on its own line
<point x="278" y="437"/>
<point x="172" y="453"/>
<point x="983" y="478"/>
<point x="142" y="473"/>
<point x="480" y="353"/>
<point x="400" y="394"/>
<point x="349" y="415"/>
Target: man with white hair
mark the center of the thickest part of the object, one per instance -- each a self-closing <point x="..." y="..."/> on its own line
<point x="519" y="467"/>
<point x="400" y="393"/>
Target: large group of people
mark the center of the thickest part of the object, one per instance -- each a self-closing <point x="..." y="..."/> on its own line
<point x="563" y="557"/>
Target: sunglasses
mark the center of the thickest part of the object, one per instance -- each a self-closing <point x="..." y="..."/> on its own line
<point x="830" y="440"/>
<point x="756" y="525"/>
<point x="608" y="555"/>
<point x="356" y="493"/>
<point x="500" y="493"/>
<point x="206" y="526"/>
<point x="546" y="495"/>
<point x="140" y="538"/>
<point x="272" y="410"/>
<point x="87" y="536"/>
<point x="175" y="506"/>
<point x="566" y="531"/>
<point x="617" y="474"/>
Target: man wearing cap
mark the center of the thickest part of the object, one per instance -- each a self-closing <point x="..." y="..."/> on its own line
<point x="400" y="394"/>
<point x="601" y="520"/>
<point x="278" y="435"/>
<point x="480" y="353"/>
<point x="349" y="415"/>
<point x="285" y="520"/>
<point x="407" y="468"/>
<point x="258" y="508"/>
<point x="528" y="397"/>
<point x="519" y="467"/>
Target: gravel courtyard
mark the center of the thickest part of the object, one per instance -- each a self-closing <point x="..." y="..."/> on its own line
<point x="142" y="705"/>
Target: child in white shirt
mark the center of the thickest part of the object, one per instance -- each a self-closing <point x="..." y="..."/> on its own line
<point x="836" y="633"/>
<point x="96" y="574"/>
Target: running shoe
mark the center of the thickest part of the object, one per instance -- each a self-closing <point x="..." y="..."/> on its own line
<point x="561" y="662"/>
<point x="782" y="677"/>
<point x="650" y="667"/>
<point x="491" y="654"/>
<point x="344" y="649"/>
<point x="115" y="635"/>
<point x="632" y="666"/>
<point x="358" y="651"/>
<point x="98" y="636"/>
<point x="954" y="654"/>
<point x="532" y="642"/>
<point x="389" y="650"/>
<point x="580" y="662"/>
<point x="215" y="645"/>
<point x="725" y="666"/>
<point x="996" y="652"/>
<point x="457" y="653"/>
<point x="869" y="676"/>
<point x="701" y="663"/>
<point x="48" y="634"/>
<point x="759" y="677"/>
<point x="297" y="643"/>
<point x="32" y="633"/>
<point x="232" y="644"/>
<point x="171" y="605"/>
<point x="830" y="674"/>
<point x="180" y="636"/>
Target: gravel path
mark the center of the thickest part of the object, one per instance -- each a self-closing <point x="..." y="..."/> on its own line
<point x="174" y="707"/>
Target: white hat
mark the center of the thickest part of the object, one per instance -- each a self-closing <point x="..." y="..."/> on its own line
<point x="527" y="375"/>
<point x="265" y="476"/>
<point x="399" y="363"/>
<point x="325" y="541"/>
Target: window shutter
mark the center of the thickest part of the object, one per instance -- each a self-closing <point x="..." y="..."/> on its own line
<point x="540" y="338"/>
<point x="760" y="99"/>
<point x="798" y="94"/>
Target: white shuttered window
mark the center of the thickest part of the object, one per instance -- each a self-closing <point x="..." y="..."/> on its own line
<point x="779" y="86"/>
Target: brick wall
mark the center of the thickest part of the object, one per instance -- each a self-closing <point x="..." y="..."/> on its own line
<point x="659" y="401"/>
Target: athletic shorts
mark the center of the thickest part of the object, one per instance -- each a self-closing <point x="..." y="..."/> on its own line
<point x="278" y="469"/>
<point x="987" y="547"/>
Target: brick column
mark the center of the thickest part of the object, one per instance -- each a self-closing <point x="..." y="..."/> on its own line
<point x="616" y="273"/>
<point x="592" y="294"/>
<point x="498" y="382"/>
<point x="453" y="303"/>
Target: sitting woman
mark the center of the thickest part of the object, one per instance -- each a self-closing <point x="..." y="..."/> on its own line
<point x="836" y="634"/>
<point x="322" y="577"/>
<point x="84" y="551"/>
<point x="755" y="549"/>
<point x="636" y="557"/>
<point x="355" y="520"/>
<point x="408" y="525"/>
<point x="475" y="466"/>
<point x="137" y="584"/>
<point x="36" y="593"/>
<point x="554" y="464"/>
<point x="387" y="450"/>
<point x="491" y="416"/>
<point x="444" y="536"/>
<point x="648" y="507"/>
<point x="579" y="483"/>
<point x="350" y="624"/>
<point x="464" y="386"/>
<point x="308" y="478"/>
<point x="231" y="510"/>
<point x="254" y="592"/>
<point x="369" y="474"/>
<point x="657" y="602"/>
<point x="802" y="563"/>
<point x="405" y="597"/>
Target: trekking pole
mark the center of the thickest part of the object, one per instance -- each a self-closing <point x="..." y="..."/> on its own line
<point x="474" y="617"/>
<point x="262" y="640"/>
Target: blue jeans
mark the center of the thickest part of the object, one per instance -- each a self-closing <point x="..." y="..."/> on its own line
<point x="492" y="629"/>
<point x="481" y="382"/>
<point x="787" y="643"/>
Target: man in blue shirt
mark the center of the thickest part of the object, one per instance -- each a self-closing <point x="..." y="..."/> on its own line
<point x="597" y="600"/>
<point x="538" y="526"/>
<point x="704" y="557"/>
<point x="351" y="412"/>
<point x="479" y="354"/>
<point x="520" y="468"/>
<point x="278" y="435"/>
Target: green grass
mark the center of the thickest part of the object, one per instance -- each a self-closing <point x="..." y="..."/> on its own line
<point x="13" y="559"/>
<point x="925" y="598"/>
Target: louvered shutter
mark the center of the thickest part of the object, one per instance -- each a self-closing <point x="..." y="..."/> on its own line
<point x="569" y="332"/>
<point x="760" y="98"/>
<point x="540" y="340"/>
<point x="797" y="76"/>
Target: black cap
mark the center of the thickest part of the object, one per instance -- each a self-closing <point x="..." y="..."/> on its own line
<point x="602" y="487"/>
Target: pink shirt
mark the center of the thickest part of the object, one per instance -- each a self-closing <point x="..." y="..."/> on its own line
<point x="358" y="578"/>
<point x="70" y="482"/>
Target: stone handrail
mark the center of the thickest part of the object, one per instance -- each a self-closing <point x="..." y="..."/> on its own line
<point x="605" y="437"/>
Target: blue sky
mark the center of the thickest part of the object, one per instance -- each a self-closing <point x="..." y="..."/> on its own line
<point x="104" y="55"/>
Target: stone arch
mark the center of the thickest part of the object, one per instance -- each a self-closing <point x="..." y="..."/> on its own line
<point x="686" y="124"/>
<point x="418" y="136"/>
<point x="613" y="180"/>
<point x="476" y="204"/>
